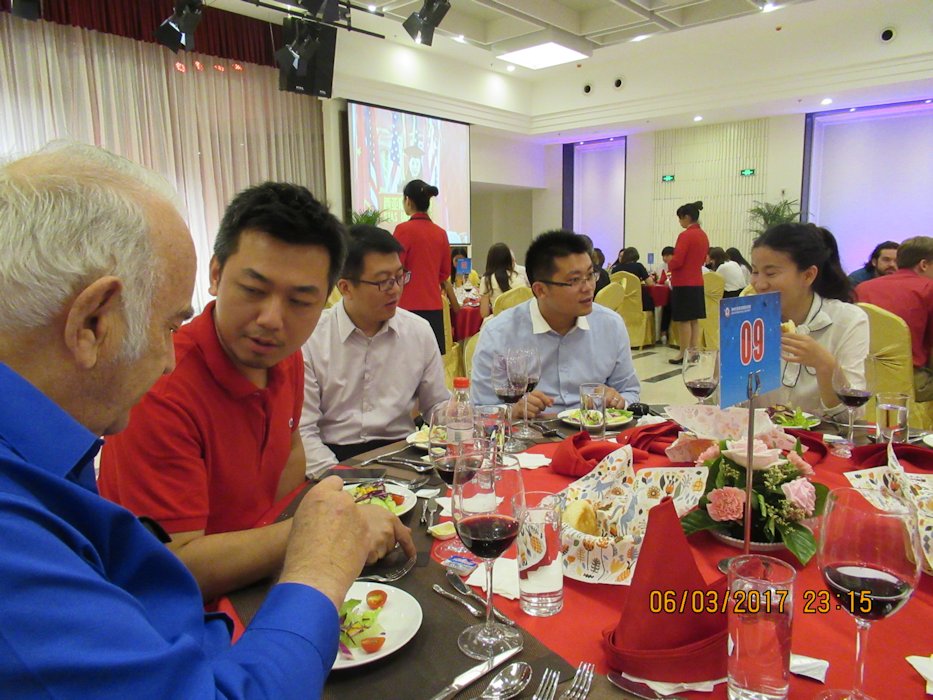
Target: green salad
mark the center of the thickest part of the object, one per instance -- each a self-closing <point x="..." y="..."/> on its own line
<point x="375" y="493"/>
<point x="787" y="417"/>
<point x="359" y="626"/>
<point x="613" y="415"/>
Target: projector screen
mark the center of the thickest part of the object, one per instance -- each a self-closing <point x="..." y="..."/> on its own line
<point x="388" y="148"/>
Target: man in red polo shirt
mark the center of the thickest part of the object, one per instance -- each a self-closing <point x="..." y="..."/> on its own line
<point x="213" y="445"/>
<point x="908" y="293"/>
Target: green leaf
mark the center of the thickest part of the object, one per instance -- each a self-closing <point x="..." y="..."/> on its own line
<point x="798" y="448"/>
<point x="697" y="520"/>
<point x="822" y="491"/>
<point x="799" y="540"/>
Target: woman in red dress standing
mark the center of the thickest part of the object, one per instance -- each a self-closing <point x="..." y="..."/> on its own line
<point x="688" y="301"/>
<point x="426" y="256"/>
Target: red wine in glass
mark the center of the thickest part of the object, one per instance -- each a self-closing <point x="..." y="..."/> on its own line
<point x="487" y="536"/>
<point x="701" y="388"/>
<point x="509" y="395"/>
<point x="532" y="383"/>
<point x="866" y="592"/>
<point x="854" y="397"/>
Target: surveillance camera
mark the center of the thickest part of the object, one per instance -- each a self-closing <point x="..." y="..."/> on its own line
<point x="618" y="83"/>
<point x="587" y="89"/>
<point x="887" y="34"/>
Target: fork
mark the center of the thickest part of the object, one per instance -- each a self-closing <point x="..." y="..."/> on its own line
<point x="548" y="686"/>
<point x="392" y="575"/>
<point x="582" y="680"/>
<point x="382" y="456"/>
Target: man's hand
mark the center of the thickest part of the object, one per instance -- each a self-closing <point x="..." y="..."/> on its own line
<point x="537" y="403"/>
<point x="328" y="544"/>
<point x="385" y="529"/>
<point x="613" y="398"/>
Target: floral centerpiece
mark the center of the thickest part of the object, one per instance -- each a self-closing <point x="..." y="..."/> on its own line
<point x="783" y="496"/>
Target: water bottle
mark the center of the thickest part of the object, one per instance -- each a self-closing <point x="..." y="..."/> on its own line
<point x="460" y="412"/>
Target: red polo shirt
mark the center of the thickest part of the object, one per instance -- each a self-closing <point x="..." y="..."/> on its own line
<point x="910" y="296"/>
<point x="427" y="256"/>
<point x="686" y="267"/>
<point x="205" y="447"/>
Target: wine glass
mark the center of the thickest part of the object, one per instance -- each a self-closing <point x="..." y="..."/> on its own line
<point x="487" y="501"/>
<point x="701" y="372"/>
<point x="853" y="386"/>
<point x="525" y="367"/>
<point x="469" y="454"/>
<point x="870" y="560"/>
<point x="508" y="391"/>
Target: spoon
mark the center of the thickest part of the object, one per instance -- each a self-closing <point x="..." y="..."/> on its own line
<point x="509" y="682"/>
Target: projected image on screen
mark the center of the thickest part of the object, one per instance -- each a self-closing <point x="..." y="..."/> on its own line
<point x="388" y="148"/>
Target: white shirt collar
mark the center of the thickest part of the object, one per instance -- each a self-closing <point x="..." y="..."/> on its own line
<point x="345" y="325"/>
<point x="540" y="325"/>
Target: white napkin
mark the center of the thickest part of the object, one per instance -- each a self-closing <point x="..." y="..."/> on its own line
<point x="445" y="507"/>
<point x="924" y="666"/>
<point x="504" y="578"/>
<point x="427" y="493"/>
<point x="529" y="460"/>
<point x="651" y="420"/>
<point x="673" y="688"/>
<point x="808" y="666"/>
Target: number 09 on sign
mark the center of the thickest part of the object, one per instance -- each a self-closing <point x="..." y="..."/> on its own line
<point x="751" y="341"/>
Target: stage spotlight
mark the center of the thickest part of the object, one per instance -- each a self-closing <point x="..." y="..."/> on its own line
<point x="326" y="10"/>
<point x="420" y="25"/>
<point x="26" y="9"/>
<point x="177" y="32"/>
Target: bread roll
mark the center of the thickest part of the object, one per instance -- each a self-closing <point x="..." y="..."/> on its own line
<point x="581" y="515"/>
<point x="788" y="327"/>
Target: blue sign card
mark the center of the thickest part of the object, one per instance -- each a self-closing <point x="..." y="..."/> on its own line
<point x="651" y="258"/>
<point x="749" y="340"/>
<point x="464" y="265"/>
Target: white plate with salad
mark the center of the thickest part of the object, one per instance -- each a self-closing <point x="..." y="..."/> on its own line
<point x="396" y="499"/>
<point x="615" y="417"/>
<point x="785" y="417"/>
<point x="928" y="440"/>
<point x="419" y="438"/>
<point x="386" y="616"/>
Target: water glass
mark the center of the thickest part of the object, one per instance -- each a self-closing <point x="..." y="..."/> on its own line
<point x="761" y="609"/>
<point x="891" y="416"/>
<point x="540" y="559"/>
<point x="593" y="409"/>
<point x="492" y="422"/>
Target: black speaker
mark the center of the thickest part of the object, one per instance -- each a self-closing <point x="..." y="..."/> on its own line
<point x="312" y="46"/>
<point x="26" y="9"/>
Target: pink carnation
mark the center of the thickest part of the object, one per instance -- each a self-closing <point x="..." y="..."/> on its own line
<point x="800" y="493"/>
<point x="727" y="503"/>
<point x="799" y="462"/>
<point x="709" y="454"/>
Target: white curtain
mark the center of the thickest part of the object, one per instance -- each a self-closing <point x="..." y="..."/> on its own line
<point x="210" y="132"/>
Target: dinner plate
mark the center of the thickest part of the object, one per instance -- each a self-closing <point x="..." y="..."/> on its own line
<point x="400" y="618"/>
<point x="928" y="440"/>
<point x="410" y="498"/>
<point x="418" y="439"/>
<point x="569" y="417"/>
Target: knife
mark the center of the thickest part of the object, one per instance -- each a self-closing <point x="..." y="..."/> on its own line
<point x="471" y="675"/>
<point x="639" y="690"/>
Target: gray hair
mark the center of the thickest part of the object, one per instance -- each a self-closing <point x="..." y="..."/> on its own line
<point x="69" y="214"/>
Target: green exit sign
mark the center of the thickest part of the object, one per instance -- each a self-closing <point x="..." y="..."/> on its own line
<point x="747" y="172"/>
<point x="667" y="178"/>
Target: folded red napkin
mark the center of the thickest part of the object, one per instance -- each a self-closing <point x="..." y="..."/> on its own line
<point x="816" y="449"/>
<point x="677" y="647"/>
<point x="875" y="455"/>
<point x="654" y="438"/>
<point x="579" y="454"/>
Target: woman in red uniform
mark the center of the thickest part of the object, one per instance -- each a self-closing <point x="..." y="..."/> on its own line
<point x="688" y="302"/>
<point x="426" y="256"/>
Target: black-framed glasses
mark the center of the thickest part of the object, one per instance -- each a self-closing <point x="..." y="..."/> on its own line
<point x="386" y="285"/>
<point x="576" y="282"/>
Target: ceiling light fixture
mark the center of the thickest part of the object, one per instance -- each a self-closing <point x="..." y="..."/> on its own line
<point x="510" y="68"/>
<point x="698" y="118"/>
<point x="373" y="8"/>
<point x="851" y="109"/>
<point x="420" y="25"/>
<point x="826" y="101"/>
<point x="767" y="5"/>
<point x="543" y="49"/>
<point x="177" y="32"/>
<point x="641" y="37"/>
<point x="328" y="11"/>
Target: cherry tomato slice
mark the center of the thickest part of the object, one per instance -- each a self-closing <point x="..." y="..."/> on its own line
<point x="398" y="498"/>
<point x="376" y="599"/>
<point x="372" y="644"/>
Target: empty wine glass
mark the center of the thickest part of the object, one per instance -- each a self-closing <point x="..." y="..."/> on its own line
<point x="869" y="556"/>
<point x="508" y="391"/>
<point x="701" y="372"/>
<point x="853" y="386"/>
<point x="525" y="367"/>
<point x="487" y="500"/>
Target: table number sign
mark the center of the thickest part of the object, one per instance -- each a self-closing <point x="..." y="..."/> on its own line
<point x="464" y="265"/>
<point x="749" y="341"/>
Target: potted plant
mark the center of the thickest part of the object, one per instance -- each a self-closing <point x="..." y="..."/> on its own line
<point x="764" y="215"/>
<point x="783" y="497"/>
<point x="370" y="217"/>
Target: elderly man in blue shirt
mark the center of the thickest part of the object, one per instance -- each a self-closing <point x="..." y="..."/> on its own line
<point x="578" y="342"/>
<point x="96" y="273"/>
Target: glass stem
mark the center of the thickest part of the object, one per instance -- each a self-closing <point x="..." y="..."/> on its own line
<point x="851" y="412"/>
<point x="861" y="645"/>
<point x="525" y="415"/>
<point x="489" y="564"/>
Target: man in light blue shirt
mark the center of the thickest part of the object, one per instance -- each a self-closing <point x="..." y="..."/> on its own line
<point x="576" y="341"/>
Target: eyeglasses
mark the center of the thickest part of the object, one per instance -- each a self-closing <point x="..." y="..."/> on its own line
<point x="576" y="282"/>
<point x="387" y="284"/>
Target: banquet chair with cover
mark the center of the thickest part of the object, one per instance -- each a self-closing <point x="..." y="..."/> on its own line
<point x="511" y="298"/>
<point x="749" y="290"/>
<point x="640" y="323"/>
<point x="452" y="358"/>
<point x="889" y="343"/>
<point x="619" y="277"/>
<point x="612" y="296"/>
<point x="334" y="297"/>
<point x="714" y="285"/>
<point x="468" y="350"/>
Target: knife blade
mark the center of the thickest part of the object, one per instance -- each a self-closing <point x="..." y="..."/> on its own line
<point x="473" y="674"/>
<point x="639" y="690"/>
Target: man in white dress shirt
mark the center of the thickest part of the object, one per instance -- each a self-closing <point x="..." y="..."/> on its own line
<point x="368" y="363"/>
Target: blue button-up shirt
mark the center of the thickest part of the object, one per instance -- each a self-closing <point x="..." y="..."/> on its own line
<point x="596" y="349"/>
<point x="93" y="606"/>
